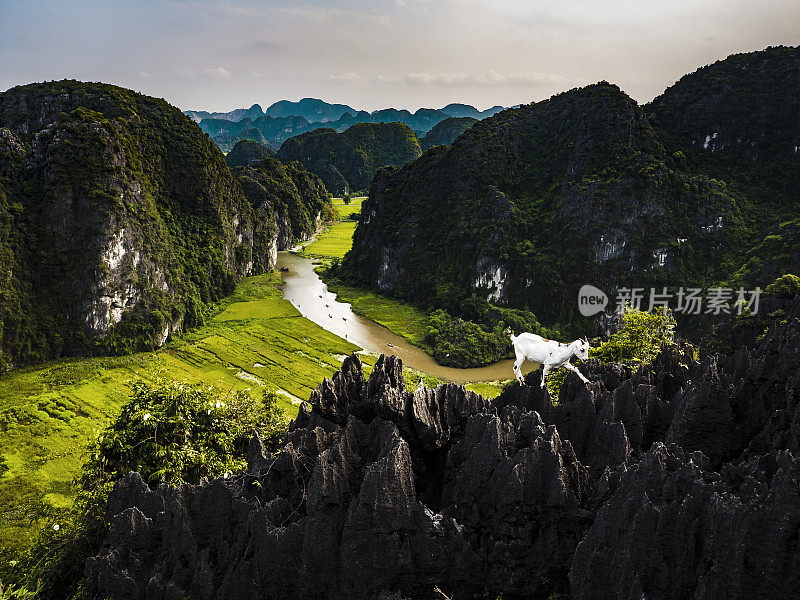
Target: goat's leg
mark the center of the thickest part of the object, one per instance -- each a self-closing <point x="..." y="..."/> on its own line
<point x="518" y="368"/>
<point x="574" y="369"/>
<point x="545" y="371"/>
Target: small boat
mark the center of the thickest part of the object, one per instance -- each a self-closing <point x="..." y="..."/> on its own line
<point x="285" y="270"/>
<point x="390" y="345"/>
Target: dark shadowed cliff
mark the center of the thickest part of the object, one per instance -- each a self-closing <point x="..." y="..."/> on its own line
<point x="444" y="132"/>
<point x="246" y="153"/>
<point x="589" y="187"/>
<point x="528" y="205"/>
<point x="677" y="480"/>
<point x="120" y="220"/>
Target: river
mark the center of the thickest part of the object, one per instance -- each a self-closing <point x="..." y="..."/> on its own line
<point x="309" y="294"/>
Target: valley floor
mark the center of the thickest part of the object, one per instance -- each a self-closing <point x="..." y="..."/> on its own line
<point x="254" y="339"/>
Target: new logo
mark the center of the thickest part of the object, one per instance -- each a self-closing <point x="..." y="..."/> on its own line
<point x="591" y="300"/>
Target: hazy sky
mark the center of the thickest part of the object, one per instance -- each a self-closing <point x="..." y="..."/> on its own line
<point x="380" y="53"/>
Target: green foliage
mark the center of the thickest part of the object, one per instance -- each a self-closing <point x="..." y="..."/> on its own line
<point x="786" y="286"/>
<point x="49" y="414"/>
<point x="279" y="191"/>
<point x="177" y="432"/>
<point x="248" y="152"/>
<point x="588" y="187"/>
<point x="349" y="160"/>
<point x="16" y="592"/>
<point x="460" y="343"/>
<point x="445" y="132"/>
<point x="169" y="432"/>
<point x="641" y="337"/>
<point x="116" y="162"/>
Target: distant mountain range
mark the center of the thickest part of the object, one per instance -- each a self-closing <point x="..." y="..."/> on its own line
<point x="285" y="119"/>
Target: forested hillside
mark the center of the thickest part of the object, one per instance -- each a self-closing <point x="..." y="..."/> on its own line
<point x="589" y="187"/>
<point x="120" y="221"/>
<point x="348" y="161"/>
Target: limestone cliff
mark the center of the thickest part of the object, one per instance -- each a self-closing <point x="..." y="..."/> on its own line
<point x="120" y="221"/>
<point x="679" y="479"/>
<point x="346" y="162"/>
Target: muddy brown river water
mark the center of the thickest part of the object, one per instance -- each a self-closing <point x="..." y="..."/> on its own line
<point x="306" y="291"/>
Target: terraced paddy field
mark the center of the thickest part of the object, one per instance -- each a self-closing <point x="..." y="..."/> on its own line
<point x="254" y="339"/>
<point x="50" y="414"/>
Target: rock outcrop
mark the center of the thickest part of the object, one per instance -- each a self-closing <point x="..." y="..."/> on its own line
<point x="119" y="221"/>
<point x="601" y="191"/>
<point x="679" y="479"/>
<point x="247" y="153"/>
<point x="347" y="161"/>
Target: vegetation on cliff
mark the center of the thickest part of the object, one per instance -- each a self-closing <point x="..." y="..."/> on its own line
<point x="289" y="204"/>
<point x="124" y="217"/>
<point x="121" y="221"/>
<point x="589" y="187"/>
<point x="444" y="132"/>
<point x="170" y="432"/>
<point x="247" y="153"/>
<point x="348" y="161"/>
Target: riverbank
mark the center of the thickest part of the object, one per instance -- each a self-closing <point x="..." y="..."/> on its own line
<point x="49" y="414"/>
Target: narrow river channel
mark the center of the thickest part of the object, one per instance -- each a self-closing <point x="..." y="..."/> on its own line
<point x="306" y="291"/>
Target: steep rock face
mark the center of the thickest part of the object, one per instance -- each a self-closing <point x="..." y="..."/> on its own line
<point x="125" y="220"/>
<point x="745" y="105"/>
<point x="385" y="492"/>
<point x="736" y="120"/>
<point x="120" y="220"/>
<point x="347" y="161"/>
<point x="289" y="203"/>
<point x="444" y="132"/>
<point x="530" y="204"/>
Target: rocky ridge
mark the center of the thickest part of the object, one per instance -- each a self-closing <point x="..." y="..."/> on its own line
<point x="120" y="220"/>
<point x="679" y="479"/>
<point x="696" y="188"/>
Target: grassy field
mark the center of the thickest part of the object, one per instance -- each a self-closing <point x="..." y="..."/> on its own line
<point x="254" y="340"/>
<point x="337" y="238"/>
<point x="398" y="317"/>
<point x="49" y="414"/>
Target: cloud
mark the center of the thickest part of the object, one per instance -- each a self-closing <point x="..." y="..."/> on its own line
<point x="349" y="76"/>
<point x="218" y="72"/>
<point x="488" y="78"/>
<point x="260" y="48"/>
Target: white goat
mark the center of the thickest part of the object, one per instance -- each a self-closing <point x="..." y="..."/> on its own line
<point x="547" y="352"/>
